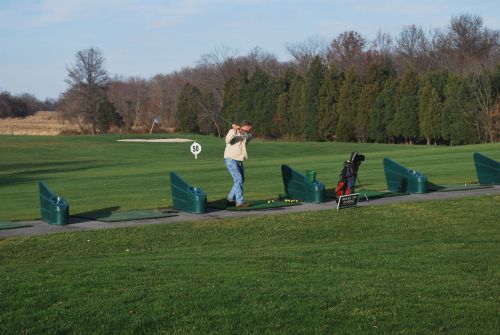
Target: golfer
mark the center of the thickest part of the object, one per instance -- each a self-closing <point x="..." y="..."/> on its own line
<point x="234" y="155"/>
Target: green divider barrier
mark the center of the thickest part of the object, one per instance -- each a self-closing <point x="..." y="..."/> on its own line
<point x="301" y="187"/>
<point x="487" y="169"/>
<point x="54" y="209"/>
<point x="186" y="197"/>
<point x="403" y="180"/>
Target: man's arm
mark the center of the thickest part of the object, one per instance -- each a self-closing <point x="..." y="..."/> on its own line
<point x="233" y="136"/>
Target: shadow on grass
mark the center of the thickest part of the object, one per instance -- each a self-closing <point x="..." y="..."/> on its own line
<point x="31" y="175"/>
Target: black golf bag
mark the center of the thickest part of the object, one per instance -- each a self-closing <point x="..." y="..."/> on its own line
<point x="347" y="178"/>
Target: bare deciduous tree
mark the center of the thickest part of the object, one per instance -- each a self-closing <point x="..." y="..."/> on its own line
<point x="347" y="51"/>
<point x="87" y="79"/>
<point x="469" y="46"/>
<point x="304" y="52"/>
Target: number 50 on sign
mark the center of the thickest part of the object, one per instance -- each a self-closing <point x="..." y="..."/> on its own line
<point x="195" y="149"/>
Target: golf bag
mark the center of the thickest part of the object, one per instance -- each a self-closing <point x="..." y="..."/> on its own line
<point x="347" y="178"/>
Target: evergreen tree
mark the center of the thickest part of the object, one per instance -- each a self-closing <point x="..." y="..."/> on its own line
<point x="430" y="113"/>
<point x="312" y="85"/>
<point x="283" y="111"/>
<point x="382" y="112"/>
<point x="376" y="76"/>
<point x="348" y="107"/>
<point x="457" y="123"/>
<point x="259" y="103"/>
<point x="328" y="101"/>
<point x="283" y="114"/>
<point x="107" y="116"/>
<point x="188" y="107"/>
<point x="424" y="97"/>
<point x="438" y="80"/>
<point x="296" y="105"/>
<point x="405" y="122"/>
<point x="234" y="92"/>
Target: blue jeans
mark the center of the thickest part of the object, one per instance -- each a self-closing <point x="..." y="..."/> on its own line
<point x="236" y="170"/>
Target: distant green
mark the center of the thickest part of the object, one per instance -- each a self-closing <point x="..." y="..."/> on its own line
<point x="98" y="173"/>
<point x="417" y="268"/>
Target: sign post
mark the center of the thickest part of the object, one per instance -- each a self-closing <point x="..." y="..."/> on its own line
<point x="348" y="201"/>
<point x="195" y="149"/>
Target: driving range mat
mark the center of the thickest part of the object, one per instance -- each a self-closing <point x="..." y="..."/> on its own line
<point x="363" y="194"/>
<point x="114" y="216"/>
<point x="254" y="205"/>
<point x="455" y="187"/>
<point x="12" y="225"/>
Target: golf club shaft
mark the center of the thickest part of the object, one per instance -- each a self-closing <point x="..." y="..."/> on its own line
<point x="223" y="119"/>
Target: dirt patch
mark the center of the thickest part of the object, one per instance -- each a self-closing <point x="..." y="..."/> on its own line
<point x="158" y="140"/>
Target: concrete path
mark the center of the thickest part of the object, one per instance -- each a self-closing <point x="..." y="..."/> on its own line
<point x="76" y="224"/>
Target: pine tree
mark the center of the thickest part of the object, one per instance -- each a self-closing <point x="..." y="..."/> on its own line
<point x="296" y="103"/>
<point x="457" y="123"/>
<point x="328" y="101"/>
<point x="312" y="85"/>
<point x="188" y="107"/>
<point x="405" y="124"/>
<point x="234" y="91"/>
<point x="382" y="112"/>
<point x="259" y="103"/>
<point x="424" y="98"/>
<point x="107" y="116"/>
<point x="348" y="107"/>
<point x="377" y="75"/>
<point x="283" y="114"/>
<point x="283" y="110"/>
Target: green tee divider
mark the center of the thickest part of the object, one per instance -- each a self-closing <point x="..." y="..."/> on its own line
<point x="12" y="225"/>
<point x="114" y="216"/>
<point x="53" y="209"/>
<point x="301" y="187"/>
<point x="400" y="179"/>
<point x="487" y="169"/>
<point x="185" y="197"/>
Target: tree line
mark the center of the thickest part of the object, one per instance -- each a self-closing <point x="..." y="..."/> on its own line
<point x="435" y="86"/>
<point x="22" y="105"/>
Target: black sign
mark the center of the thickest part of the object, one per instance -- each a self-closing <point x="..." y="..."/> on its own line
<point x="348" y="201"/>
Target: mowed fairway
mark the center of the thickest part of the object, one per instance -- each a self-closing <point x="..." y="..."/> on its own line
<point x="97" y="172"/>
<point x="423" y="268"/>
<point x="417" y="268"/>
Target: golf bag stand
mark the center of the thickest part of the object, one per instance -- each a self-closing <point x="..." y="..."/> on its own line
<point x="348" y="175"/>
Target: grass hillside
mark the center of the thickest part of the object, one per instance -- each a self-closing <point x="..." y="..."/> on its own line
<point x="97" y="172"/>
<point x="420" y="268"/>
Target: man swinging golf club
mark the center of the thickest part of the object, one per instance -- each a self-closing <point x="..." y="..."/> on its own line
<point x="234" y="155"/>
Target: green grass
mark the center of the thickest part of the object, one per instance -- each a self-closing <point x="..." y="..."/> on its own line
<point x="96" y="172"/>
<point x="420" y="268"/>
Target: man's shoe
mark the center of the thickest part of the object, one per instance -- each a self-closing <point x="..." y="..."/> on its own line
<point x="243" y="205"/>
<point x="230" y="203"/>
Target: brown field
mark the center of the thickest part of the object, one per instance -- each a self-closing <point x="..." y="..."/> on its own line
<point x="41" y="123"/>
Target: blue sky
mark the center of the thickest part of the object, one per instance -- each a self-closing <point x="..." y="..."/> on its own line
<point x="38" y="39"/>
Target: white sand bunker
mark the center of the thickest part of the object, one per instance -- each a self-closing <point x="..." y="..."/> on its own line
<point x="157" y="140"/>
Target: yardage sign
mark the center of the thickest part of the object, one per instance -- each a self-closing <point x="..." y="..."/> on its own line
<point x="348" y="201"/>
<point x="195" y="149"/>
